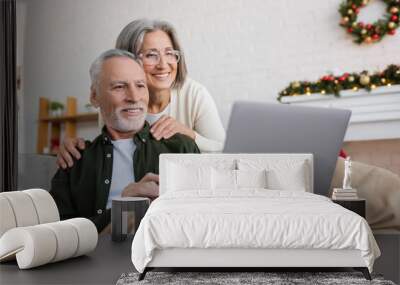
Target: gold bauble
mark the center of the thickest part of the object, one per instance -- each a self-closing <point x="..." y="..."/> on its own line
<point x="350" y="12"/>
<point x="364" y="79"/>
<point x="345" y="20"/>
<point x="354" y="25"/>
<point x="394" y="10"/>
<point x="368" y="40"/>
<point x="383" y="80"/>
<point x="295" y="84"/>
<point x="364" y="31"/>
<point x="351" y="78"/>
<point x="365" y="2"/>
<point x="392" y="25"/>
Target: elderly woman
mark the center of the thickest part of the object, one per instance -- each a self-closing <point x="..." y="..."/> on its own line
<point x="177" y="103"/>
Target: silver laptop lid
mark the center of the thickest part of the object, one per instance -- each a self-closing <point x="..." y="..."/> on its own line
<point x="281" y="128"/>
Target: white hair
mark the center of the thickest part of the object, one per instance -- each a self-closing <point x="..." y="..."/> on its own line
<point x="96" y="66"/>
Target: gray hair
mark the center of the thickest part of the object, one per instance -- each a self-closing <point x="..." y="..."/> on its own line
<point x="131" y="39"/>
<point x="95" y="68"/>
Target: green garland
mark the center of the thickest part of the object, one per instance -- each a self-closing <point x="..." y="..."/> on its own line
<point x="330" y="84"/>
<point x="369" y="33"/>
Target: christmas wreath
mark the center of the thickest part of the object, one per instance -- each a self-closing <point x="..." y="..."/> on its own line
<point x="369" y="33"/>
<point x="330" y="84"/>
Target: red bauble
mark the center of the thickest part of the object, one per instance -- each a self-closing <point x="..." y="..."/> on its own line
<point x="349" y="30"/>
<point x="394" y="18"/>
<point x="357" y="10"/>
<point x="361" y="24"/>
<point x="369" y="26"/>
<point x="392" y="32"/>
<point x="354" y="6"/>
<point x="342" y="78"/>
<point x="375" y="37"/>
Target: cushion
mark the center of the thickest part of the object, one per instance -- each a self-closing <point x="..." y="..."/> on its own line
<point x="228" y="179"/>
<point x="281" y="174"/>
<point x="251" y="178"/>
<point x="183" y="177"/>
<point x="223" y="179"/>
<point x="380" y="187"/>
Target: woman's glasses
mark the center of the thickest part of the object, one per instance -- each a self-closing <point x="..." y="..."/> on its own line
<point x="153" y="57"/>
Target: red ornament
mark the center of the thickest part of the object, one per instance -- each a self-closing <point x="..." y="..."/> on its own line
<point x="354" y="6"/>
<point x="369" y="26"/>
<point x="328" y="78"/>
<point x="361" y="24"/>
<point x="375" y="37"/>
<point x="342" y="78"/>
<point x="394" y="18"/>
<point x="392" y="32"/>
<point x="357" y="10"/>
<point x="349" y="30"/>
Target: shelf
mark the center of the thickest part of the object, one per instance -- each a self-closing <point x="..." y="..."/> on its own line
<point x="83" y="117"/>
<point x="52" y="129"/>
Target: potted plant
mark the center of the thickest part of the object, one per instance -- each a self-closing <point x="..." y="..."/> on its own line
<point x="56" y="108"/>
<point x="89" y="108"/>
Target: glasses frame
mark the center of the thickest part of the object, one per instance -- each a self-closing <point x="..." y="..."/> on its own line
<point x="177" y="53"/>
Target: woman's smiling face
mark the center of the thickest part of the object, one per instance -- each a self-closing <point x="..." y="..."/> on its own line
<point x="160" y="76"/>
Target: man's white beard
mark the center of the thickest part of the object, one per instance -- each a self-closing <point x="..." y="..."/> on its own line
<point x="121" y="124"/>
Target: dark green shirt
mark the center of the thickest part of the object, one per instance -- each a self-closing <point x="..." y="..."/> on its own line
<point x="82" y="190"/>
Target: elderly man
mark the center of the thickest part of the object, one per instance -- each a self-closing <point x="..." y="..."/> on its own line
<point x="123" y="159"/>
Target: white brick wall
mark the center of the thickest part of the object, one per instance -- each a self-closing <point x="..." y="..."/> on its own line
<point x="239" y="49"/>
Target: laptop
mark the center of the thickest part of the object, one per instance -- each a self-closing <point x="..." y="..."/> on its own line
<point x="281" y="128"/>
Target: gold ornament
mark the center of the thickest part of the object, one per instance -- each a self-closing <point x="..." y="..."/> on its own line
<point x="363" y="31"/>
<point x="323" y="91"/>
<point x="336" y="81"/>
<point x="394" y="10"/>
<point x="365" y="2"/>
<point x="350" y="12"/>
<point x="392" y="25"/>
<point x="351" y="78"/>
<point x="354" y="25"/>
<point x="368" y="40"/>
<point x="345" y="20"/>
<point x="383" y="80"/>
<point x="364" y="79"/>
<point x="295" y="84"/>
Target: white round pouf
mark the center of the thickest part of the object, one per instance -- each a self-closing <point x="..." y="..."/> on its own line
<point x="23" y="208"/>
<point x="7" y="220"/>
<point x="45" y="205"/>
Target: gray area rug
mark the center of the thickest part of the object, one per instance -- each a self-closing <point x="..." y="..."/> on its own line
<point x="225" y="278"/>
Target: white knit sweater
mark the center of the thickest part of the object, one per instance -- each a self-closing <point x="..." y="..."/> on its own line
<point x="194" y="107"/>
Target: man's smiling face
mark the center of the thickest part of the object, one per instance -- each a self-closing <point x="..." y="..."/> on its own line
<point x="122" y="95"/>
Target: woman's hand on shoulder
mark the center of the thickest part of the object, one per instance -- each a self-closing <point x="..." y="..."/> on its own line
<point x="166" y="126"/>
<point x="69" y="149"/>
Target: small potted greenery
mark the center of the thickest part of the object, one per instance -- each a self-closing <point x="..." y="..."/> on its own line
<point x="56" y="108"/>
<point x="89" y="108"/>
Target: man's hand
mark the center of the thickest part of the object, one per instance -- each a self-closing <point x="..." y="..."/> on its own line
<point x="69" y="147"/>
<point x="146" y="187"/>
<point x="166" y="126"/>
